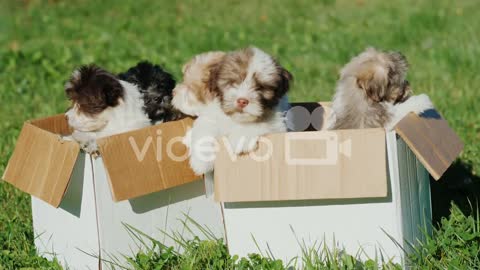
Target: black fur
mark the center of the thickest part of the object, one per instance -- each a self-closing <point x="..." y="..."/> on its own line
<point x="156" y="86"/>
<point x="278" y="88"/>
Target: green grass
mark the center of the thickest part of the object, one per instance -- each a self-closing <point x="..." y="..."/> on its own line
<point x="41" y="42"/>
<point x="455" y="245"/>
<point x="211" y="253"/>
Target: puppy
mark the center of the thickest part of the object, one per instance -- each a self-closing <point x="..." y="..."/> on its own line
<point x="103" y="105"/>
<point x="156" y="87"/>
<point x="372" y="92"/>
<point x="236" y="94"/>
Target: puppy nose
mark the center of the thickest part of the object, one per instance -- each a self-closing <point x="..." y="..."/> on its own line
<point x="242" y="102"/>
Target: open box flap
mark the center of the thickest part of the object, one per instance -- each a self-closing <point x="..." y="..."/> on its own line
<point x="431" y="139"/>
<point x="147" y="160"/>
<point x="42" y="162"/>
<point x="305" y="165"/>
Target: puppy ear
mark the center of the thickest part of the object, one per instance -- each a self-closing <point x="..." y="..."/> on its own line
<point x="94" y="88"/>
<point x="374" y="81"/>
<point x="212" y="74"/>
<point x="186" y="66"/>
<point x="400" y="63"/>
<point x="286" y="80"/>
<point x="112" y="90"/>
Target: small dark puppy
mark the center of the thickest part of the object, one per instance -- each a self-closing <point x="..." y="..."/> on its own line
<point x="373" y="92"/>
<point x="103" y="104"/>
<point x="156" y="86"/>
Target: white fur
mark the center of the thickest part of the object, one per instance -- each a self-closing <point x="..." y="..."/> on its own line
<point x="264" y="67"/>
<point x="213" y="123"/>
<point x="416" y="104"/>
<point x="186" y="102"/>
<point x="127" y="115"/>
<point x="262" y="64"/>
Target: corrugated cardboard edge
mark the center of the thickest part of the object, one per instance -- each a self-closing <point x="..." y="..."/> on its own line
<point x="130" y="178"/>
<point x="434" y="143"/>
<point x="42" y="163"/>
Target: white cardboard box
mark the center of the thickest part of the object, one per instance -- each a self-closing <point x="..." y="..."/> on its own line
<point x="81" y="203"/>
<point x="353" y="189"/>
<point x="353" y="186"/>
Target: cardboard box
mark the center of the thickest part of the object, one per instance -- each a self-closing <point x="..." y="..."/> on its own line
<point x="81" y="203"/>
<point x="358" y="189"/>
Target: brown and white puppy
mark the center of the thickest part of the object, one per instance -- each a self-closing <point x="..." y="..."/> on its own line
<point x="235" y="94"/>
<point x="250" y="85"/>
<point x="373" y="92"/>
<point x="103" y="104"/>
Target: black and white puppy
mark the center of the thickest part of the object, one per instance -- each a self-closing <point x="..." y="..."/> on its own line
<point x="104" y="104"/>
<point x="156" y="87"/>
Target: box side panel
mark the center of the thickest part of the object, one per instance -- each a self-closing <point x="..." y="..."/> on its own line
<point x="425" y="200"/>
<point x="147" y="160"/>
<point x="152" y="214"/>
<point x="353" y="224"/>
<point x="305" y="165"/>
<point x="41" y="164"/>
<point x="394" y="177"/>
<point x="57" y="124"/>
<point x="405" y="191"/>
<point x="434" y="143"/>
<point x="415" y="196"/>
<point x="70" y="230"/>
<point x="284" y="228"/>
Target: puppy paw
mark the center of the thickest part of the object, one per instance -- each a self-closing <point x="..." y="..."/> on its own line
<point x="90" y="147"/>
<point x="67" y="138"/>
<point x="86" y="140"/>
<point x="242" y="144"/>
<point x="187" y="139"/>
<point x="200" y="167"/>
<point x="251" y="145"/>
<point x="420" y="103"/>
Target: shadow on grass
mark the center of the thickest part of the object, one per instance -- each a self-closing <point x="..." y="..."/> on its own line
<point x="459" y="185"/>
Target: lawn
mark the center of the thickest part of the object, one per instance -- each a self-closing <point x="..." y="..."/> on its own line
<point x="41" y="42"/>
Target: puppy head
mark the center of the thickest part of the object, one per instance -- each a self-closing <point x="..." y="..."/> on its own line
<point x="156" y="86"/>
<point x="381" y="75"/>
<point x="92" y="91"/>
<point x="249" y="84"/>
<point x="195" y="92"/>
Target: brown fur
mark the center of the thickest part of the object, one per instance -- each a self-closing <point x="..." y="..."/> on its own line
<point x="93" y="90"/>
<point x="271" y="84"/>
<point x="232" y="70"/>
<point x="366" y="83"/>
<point x="198" y="74"/>
<point x="383" y="79"/>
